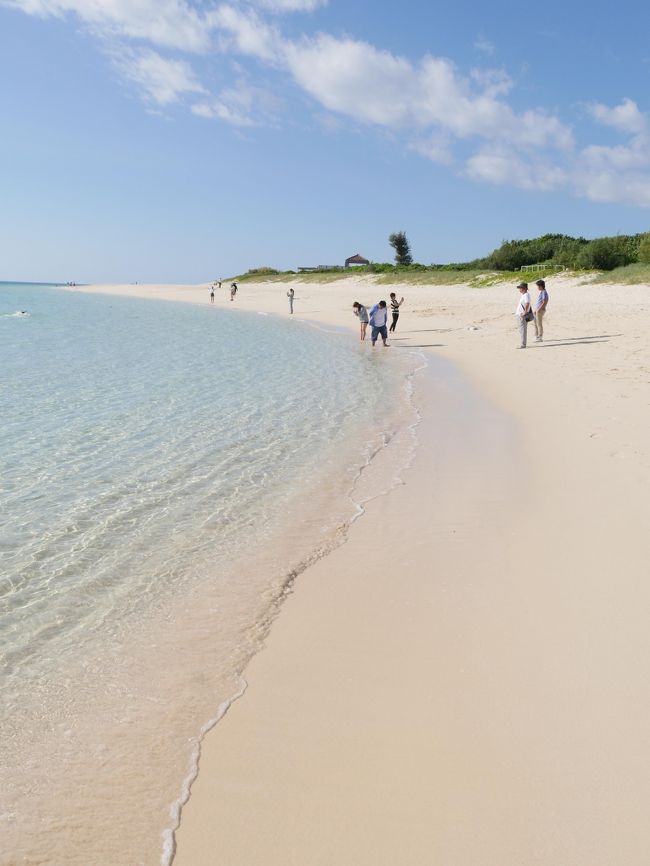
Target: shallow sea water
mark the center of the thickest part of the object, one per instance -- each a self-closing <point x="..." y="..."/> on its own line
<point x="166" y="471"/>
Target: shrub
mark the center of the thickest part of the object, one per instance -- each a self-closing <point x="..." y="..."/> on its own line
<point x="605" y="254"/>
<point x="262" y="271"/>
<point x="644" y="249"/>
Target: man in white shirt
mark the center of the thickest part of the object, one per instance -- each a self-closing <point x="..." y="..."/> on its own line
<point x="523" y="308"/>
<point x="540" y="309"/>
<point x="378" y="319"/>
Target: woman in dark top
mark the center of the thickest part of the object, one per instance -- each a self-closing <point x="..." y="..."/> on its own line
<point x="394" y="308"/>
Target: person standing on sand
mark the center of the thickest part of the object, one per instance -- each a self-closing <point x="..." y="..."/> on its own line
<point x="378" y="319"/>
<point x="394" y="308"/>
<point x="212" y="295"/>
<point x="540" y="309"/>
<point x="233" y="291"/>
<point x="522" y="313"/>
<point x="219" y="283"/>
<point x="360" y="311"/>
<point x="290" y="295"/>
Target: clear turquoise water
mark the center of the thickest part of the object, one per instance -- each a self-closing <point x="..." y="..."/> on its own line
<point x="164" y="469"/>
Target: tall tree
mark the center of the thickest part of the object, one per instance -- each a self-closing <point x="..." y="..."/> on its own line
<point x="400" y="244"/>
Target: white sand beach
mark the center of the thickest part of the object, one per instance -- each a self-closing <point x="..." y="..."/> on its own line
<point x="466" y="680"/>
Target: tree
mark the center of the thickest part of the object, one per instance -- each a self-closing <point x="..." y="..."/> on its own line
<point x="400" y="244"/>
<point x="644" y="249"/>
<point x="604" y="254"/>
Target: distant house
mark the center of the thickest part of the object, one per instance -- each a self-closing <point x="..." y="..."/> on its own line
<point x="356" y="260"/>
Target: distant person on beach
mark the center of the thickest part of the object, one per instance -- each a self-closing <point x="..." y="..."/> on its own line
<point x="394" y="308"/>
<point x="233" y="291"/>
<point x="290" y="295"/>
<point x="540" y="310"/>
<point x="523" y="313"/>
<point x="378" y="319"/>
<point x="212" y="295"/>
<point x="360" y="311"/>
<point x="219" y="283"/>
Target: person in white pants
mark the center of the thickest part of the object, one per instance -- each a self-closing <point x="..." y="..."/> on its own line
<point x="523" y="308"/>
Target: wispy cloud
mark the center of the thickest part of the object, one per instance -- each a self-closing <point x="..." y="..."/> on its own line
<point x="504" y="166"/>
<point x="161" y="81"/>
<point x="247" y="33"/>
<point x="242" y="105"/>
<point x="463" y="120"/>
<point x="484" y="46"/>
<point x="436" y="147"/>
<point x="626" y="117"/>
<point x="165" y="23"/>
<point x="291" y="5"/>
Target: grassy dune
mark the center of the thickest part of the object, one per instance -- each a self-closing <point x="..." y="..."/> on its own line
<point x="630" y="275"/>
<point x="425" y="276"/>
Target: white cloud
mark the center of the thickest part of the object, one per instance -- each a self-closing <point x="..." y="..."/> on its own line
<point x="632" y="188"/>
<point x="249" y="34"/>
<point x="167" y="23"/>
<point x="503" y="166"/>
<point x="291" y="5"/>
<point x="358" y="80"/>
<point x="353" y="78"/>
<point x="622" y="157"/>
<point x="496" y="82"/>
<point x="224" y="109"/>
<point x="162" y="81"/>
<point x="241" y="105"/>
<point x="626" y="117"/>
<point x="449" y="117"/>
<point x="618" y="173"/>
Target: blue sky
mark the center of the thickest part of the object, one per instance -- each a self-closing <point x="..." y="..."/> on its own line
<point x="169" y="140"/>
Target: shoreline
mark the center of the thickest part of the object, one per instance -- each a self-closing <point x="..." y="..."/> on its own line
<point x="302" y="535"/>
<point x="539" y="697"/>
<point x="359" y="491"/>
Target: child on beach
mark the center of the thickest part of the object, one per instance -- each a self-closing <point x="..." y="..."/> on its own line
<point x="394" y="306"/>
<point x="233" y="291"/>
<point x="290" y="295"/>
<point x="360" y="311"/>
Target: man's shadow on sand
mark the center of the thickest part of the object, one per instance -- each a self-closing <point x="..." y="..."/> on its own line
<point x="577" y="341"/>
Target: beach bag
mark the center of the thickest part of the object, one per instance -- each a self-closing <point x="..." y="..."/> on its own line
<point x="529" y="316"/>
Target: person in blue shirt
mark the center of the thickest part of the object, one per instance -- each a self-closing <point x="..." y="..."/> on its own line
<point x="378" y="319"/>
<point x="539" y="309"/>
